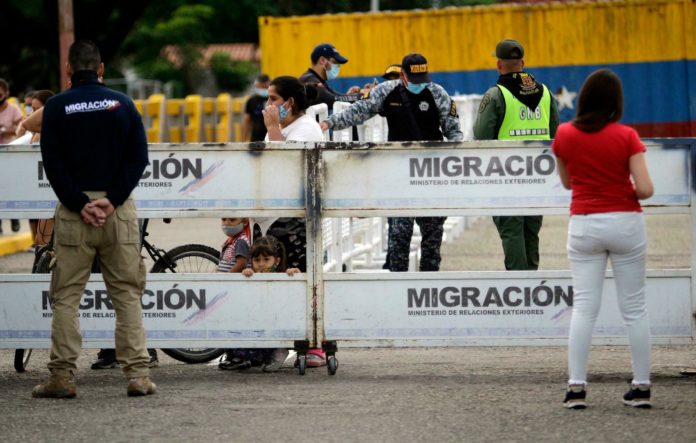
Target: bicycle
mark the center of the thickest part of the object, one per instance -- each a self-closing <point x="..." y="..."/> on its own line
<point x="188" y="258"/>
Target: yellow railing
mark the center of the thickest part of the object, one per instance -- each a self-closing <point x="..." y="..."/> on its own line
<point x="193" y="119"/>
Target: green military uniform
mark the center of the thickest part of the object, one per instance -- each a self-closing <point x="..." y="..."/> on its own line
<point x="492" y="111"/>
<point x="502" y="116"/>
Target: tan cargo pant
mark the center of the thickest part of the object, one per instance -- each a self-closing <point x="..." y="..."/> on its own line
<point x="116" y="244"/>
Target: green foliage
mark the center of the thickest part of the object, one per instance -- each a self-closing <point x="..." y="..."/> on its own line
<point x="230" y="75"/>
<point x="187" y="26"/>
<point x="134" y="34"/>
<point x="184" y="34"/>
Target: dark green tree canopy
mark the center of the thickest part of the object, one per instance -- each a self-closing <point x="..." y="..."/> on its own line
<point x="134" y="32"/>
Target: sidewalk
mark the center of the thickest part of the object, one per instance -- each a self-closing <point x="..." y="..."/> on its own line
<point x="13" y="242"/>
<point x="478" y="394"/>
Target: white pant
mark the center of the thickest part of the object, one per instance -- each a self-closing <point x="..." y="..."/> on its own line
<point x="591" y="239"/>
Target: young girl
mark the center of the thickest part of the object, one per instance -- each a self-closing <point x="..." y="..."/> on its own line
<point x="268" y="255"/>
<point x="234" y="257"/>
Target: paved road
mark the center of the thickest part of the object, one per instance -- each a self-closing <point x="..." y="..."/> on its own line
<point x="380" y="395"/>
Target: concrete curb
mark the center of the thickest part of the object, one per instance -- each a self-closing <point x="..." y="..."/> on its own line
<point x="11" y="244"/>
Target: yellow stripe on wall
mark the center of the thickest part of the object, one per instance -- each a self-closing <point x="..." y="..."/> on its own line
<point x="463" y="39"/>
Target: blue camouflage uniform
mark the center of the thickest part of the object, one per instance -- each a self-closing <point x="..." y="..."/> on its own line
<point x="426" y="116"/>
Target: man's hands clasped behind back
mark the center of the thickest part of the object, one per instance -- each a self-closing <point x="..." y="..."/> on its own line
<point x="97" y="211"/>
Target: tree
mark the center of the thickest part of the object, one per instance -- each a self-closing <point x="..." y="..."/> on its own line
<point x="184" y="34"/>
<point x="135" y="32"/>
<point x="231" y="75"/>
<point x="29" y="29"/>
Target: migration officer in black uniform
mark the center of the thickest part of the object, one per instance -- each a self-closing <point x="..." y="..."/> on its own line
<point x="94" y="152"/>
<point x="416" y="109"/>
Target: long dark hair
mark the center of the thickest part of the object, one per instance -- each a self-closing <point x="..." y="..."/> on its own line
<point x="287" y="87"/>
<point x="269" y="246"/>
<point x="600" y="101"/>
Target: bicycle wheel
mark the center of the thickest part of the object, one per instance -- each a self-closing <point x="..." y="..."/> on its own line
<point x="21" y="359"/>
<point x="190" y="258"/>
<point x="42" y="265"/>
<point x="194" y="356"/>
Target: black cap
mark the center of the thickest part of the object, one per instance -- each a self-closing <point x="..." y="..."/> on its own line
<point x="392" y="72"/>
<point x="415" y="66"/>
<point x="509" y="49"/>
<point x="327" y="50"/>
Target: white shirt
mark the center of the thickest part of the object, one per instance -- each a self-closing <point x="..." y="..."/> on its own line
<point x="23" y="140"/>
<point x="304" y="129"/>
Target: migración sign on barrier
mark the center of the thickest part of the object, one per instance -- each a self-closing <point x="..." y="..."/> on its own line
<point x="352" y="309"/>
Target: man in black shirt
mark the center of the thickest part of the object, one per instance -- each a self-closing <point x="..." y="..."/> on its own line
<point x="94" y="152"/>
<point x="326" y="62"/>
<point x="253" y="128"/>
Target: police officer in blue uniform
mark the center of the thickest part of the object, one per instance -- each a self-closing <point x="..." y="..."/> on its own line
<point x="416" y="109"/>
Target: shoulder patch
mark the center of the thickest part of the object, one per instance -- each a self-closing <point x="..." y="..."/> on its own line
<point x="453" y="108"/>
<point x="485" y="101"/>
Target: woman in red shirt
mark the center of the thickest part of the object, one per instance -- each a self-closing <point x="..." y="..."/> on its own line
<point x="596" y="158"/>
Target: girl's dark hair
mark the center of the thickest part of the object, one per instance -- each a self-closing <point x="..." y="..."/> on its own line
<point x="600" y="101"/>
<point x="269" y="246"/>
<point x="287" y="87"/>
<point x="42" y="95"/>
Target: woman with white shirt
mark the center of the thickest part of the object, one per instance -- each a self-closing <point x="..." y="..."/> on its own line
<point x="286" y="120"/>
<point x="284" y="114"/>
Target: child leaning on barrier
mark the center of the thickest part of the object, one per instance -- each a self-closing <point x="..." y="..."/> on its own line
<point x="234" y="257"/>
<point x="268" y="255"/>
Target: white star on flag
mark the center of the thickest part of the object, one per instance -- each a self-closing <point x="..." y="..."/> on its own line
<point x="565" y="99"/>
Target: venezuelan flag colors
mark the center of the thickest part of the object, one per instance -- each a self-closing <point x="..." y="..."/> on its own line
<point x="651" y="45"/>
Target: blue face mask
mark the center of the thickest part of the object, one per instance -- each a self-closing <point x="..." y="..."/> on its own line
<point x="261" y="92"/>
<point x="416" y="88"/>
<point x="231" y="231"/>
<point x="333" y="72"/>
<point x="282" y="112"/>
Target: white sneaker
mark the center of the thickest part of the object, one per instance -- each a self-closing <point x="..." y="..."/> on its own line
<point x="276" y="360"/>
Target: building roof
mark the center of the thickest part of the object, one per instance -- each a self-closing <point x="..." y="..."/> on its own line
<point x="236" y="51"/>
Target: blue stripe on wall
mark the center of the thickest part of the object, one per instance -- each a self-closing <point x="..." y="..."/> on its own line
<point x="654" y="92"/>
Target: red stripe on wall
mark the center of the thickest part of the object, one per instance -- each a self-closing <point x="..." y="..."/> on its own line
<point x="679" y="129"/>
